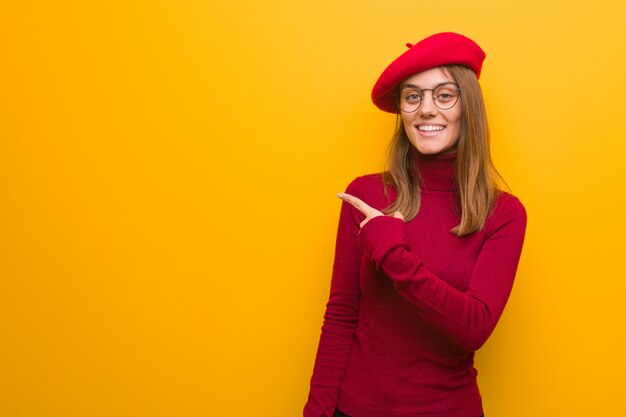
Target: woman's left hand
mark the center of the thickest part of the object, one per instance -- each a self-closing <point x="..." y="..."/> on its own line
<point x="367" y="210"/>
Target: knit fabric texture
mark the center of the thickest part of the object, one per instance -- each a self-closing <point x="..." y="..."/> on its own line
<point x="410" y="302"/>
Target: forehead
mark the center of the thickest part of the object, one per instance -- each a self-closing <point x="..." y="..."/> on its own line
<point x="428" y="78"/>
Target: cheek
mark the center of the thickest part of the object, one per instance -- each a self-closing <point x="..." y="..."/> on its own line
<point x="456" y="122"/>
<point x="406" y="123"/>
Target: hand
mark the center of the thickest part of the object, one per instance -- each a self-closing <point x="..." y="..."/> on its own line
<point x="364" y="208"/>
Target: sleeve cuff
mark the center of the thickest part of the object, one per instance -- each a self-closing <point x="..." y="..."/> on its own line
<point x="380" y="236"/>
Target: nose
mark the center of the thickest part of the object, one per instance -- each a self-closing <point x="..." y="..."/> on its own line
<point x="428" y="107"/>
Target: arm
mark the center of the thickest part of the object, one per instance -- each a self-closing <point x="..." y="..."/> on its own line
<point x="468" y="317"/>
<point x="340" y="319"/>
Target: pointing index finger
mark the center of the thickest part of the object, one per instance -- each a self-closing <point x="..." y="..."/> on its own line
<point x="356" y="202"/>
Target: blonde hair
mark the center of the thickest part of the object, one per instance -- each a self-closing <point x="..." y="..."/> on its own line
<point x="478" y="180"/>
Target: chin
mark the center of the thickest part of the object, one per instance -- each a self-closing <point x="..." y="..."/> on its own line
<point x="428" y="151"/>
<point x="433" y="150"/>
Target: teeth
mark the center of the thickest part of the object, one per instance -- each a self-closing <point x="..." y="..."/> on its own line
<point x="430" y="128"/>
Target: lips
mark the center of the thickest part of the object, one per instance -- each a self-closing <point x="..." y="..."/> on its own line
<point x="430" y="128"/>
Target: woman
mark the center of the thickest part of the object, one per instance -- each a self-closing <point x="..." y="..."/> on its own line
<point x="426" y="252"/>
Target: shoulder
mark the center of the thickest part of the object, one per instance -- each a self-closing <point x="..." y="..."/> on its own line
<point x="366" y="182"/>
<point x="370" y="188"/>
<point x="508" y="211"/>
<point x="507" y="202"/>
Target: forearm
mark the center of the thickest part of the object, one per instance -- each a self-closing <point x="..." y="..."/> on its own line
<point x="467" y="317"/>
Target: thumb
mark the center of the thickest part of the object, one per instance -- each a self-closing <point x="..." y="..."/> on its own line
<point x="398" y="215"/>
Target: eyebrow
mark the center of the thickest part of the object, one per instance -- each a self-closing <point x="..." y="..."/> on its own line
<point x="435" y="86"/>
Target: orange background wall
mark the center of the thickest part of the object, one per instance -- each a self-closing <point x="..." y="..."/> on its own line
<point x="168" y="174"/>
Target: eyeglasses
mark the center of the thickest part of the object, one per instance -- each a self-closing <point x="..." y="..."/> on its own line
<point x="410" y="98"/>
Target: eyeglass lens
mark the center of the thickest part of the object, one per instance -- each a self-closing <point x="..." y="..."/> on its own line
<point x="445" y="97"/>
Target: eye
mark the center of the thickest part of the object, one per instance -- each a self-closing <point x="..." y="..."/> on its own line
<point x="446" y="95"/>
<point x="412" y="97"/>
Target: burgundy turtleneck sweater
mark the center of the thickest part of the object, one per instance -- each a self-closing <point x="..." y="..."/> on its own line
<point x="410" y="302"/>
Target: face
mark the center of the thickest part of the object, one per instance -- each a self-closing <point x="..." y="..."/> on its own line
<point x="430" y="129"/>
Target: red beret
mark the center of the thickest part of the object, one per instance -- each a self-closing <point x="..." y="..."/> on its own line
<point x="434" y="51"/>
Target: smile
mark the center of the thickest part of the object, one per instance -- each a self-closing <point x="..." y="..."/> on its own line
<point x="430" y="128"/>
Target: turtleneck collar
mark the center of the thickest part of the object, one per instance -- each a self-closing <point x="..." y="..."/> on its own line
<point x="437" y="172"/>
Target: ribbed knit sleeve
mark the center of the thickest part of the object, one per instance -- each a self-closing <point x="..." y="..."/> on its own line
<point x="469" y="317"/>
<point x="341" y="316"/>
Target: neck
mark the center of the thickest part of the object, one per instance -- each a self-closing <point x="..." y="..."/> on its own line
<point x="436" y="172"/>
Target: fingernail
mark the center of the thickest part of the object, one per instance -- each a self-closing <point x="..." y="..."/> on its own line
<point x="340" y="195"/>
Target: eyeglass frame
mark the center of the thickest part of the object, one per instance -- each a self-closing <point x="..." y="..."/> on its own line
<point x="432" y="94"/>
